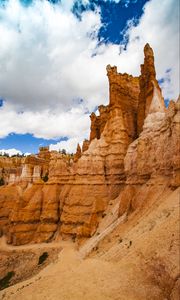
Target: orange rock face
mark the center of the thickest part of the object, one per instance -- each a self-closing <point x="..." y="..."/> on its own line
<point x="31" y="214"/>
<point x="25" y="169"/>
<point x="124" y="92"/>
<point x="98" y="122"/>
<point x="78" y="153"/>
<point x="155" y="154"/>
<point x="147" y="81"/>
<point x="112" y="164"/>
<point x="10" y="168"/>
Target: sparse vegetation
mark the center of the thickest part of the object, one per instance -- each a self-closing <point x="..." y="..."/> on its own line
<point x="74" y="238"/>
<point x="95" y="248"/>
<point x="18" y="155"/>
<point x="63" y="151"/>
<point x="45" y="177"/>
<point x="5" y="281"/>
<point x="130" y="243"/>
<point x="2" y="181"/>
<point x="42" y="258"/>
<point x="4" y="154"/>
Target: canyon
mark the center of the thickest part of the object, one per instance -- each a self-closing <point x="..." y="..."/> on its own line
<point x="115" y="201"/>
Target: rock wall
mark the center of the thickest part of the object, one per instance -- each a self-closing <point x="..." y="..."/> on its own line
<point x="10" y="168"/>
<point x="152" y="161"/>
<point x="124" y="92"/>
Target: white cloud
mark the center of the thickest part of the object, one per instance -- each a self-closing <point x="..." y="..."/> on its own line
<point x="46" y="124"/>
<point x="10" y="152"/>
<point x="159" y="26"/>
<point x="49" y="59"/>
<point x="124" y="2"/>
<point x="70" y="145"/>
<point x="39" y="46"/>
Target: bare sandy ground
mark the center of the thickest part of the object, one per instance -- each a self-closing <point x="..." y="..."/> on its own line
<point x="148" y="270"/>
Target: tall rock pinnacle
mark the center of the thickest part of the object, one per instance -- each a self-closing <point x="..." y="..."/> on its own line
<point x="148" y="84"/>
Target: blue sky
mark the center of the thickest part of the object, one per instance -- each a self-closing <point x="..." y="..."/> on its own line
<point x="26" y="142"/>
<point x="53" y="58"/>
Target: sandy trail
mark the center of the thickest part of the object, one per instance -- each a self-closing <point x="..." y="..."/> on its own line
<point x="131" y="277"/>
<point x="5" y="247"/>
<point x="71" y="278"/>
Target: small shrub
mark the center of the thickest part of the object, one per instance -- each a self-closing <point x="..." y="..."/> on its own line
<point x="95" y="248"/>
<point x="130" y="243"/>
<point x="5" y="281"/>
<point x="2" y="181"/>
<point x="42" y="258"/>
<point x="45" y="177"/>
<point x="74" y="237"/>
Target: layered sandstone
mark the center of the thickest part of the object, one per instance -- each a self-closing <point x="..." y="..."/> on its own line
<point x="32" y="213"/>
<point x="124" y="92"/>
<point x="35" y="167"/>
<point x="25" y="169"/>
<point x="156" y="152"/>
<point x="10" y="168"/>
<point x="148" y="85"/>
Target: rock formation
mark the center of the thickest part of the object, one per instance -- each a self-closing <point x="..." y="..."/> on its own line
<point x="25" y="169"/>
<point x="133" y="142"/>
<point x="148" y="88"/>
<point x="10" y="168"/>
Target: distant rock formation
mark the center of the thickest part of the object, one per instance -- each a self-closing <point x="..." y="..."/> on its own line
<point x="133" y="141"/>
<point x="10" y="168"/>
<point x="25" y="169"/>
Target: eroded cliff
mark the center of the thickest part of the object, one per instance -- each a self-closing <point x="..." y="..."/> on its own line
<point x="133" y="143"/>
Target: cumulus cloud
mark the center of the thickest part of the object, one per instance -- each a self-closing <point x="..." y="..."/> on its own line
<point x="42" y="50"/>
<point x="70" y="145"/>
<point x="44" y="124"/>
<point x="159" y="26"/>
<point x="50" y="60"/>
<point x="10" y="152"/>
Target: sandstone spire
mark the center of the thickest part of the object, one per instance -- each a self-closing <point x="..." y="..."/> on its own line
<point x="78" y="153"/>
<point x="149" y="89"/>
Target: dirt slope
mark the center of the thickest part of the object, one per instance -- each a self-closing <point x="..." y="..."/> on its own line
<point x="146" y="269"/>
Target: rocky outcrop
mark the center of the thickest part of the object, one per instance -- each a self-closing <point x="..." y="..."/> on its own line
<point x="25" y="169"/>
<point x="98" y="122"/>
<point x="95" y="179"/>
<point x="31" y="215"/>
<point x="35" y="167"/>
<point x="124" y="92"/>
<point x="149" y="87"/>
<point x="85" y="145"/>
<point x="78" y="153"/>
<point x="155" y="154"/>
<point x="133" y="143"/>
<point x="10" y="168"/>
<point x="153" y="159"/>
